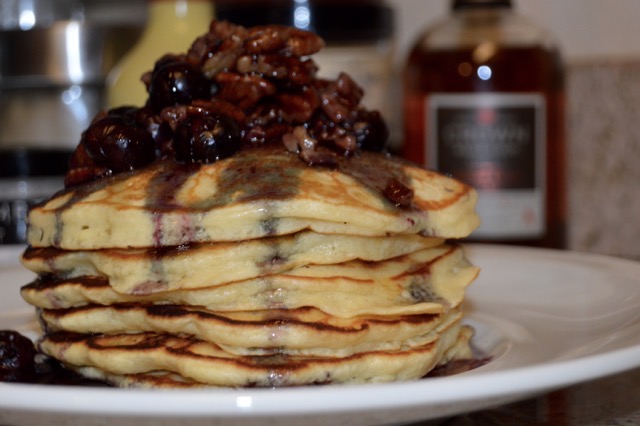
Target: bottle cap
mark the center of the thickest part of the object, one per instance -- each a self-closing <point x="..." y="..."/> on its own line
<point x="334" y="21"/>
<point x="352" y="22"/>
<point x="461" y="4"/>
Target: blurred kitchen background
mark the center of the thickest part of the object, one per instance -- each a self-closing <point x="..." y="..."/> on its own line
<point x="49" y="93"/>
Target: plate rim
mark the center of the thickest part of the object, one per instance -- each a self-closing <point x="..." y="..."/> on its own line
<point x="237" y="403"/>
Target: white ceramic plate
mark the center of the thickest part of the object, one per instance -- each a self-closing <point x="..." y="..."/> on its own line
<point x="549" y="319"/>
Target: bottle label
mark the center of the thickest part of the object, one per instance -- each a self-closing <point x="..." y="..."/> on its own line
<point x="494" y="142"/>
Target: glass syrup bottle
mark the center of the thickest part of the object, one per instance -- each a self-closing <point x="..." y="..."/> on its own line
<point x="484" y="102"/>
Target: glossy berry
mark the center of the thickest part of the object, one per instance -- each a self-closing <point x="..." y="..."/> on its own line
<point x="371" y="131"/>
<point x="119" y="143"/>
<point x="205" y="139"/>
<point x="159" y="129"/>
<point x="126" y="110"/>
<point x="17" y="357"/>
<point x="175" y="82"/>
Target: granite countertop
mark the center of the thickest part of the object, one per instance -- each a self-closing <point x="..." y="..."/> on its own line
<point x="611" y="401"/>
<point x="603" y="117"/>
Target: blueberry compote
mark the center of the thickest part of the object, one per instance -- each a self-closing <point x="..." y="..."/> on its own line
<point x="235" y="88"/>
<point x="20" y="362"/>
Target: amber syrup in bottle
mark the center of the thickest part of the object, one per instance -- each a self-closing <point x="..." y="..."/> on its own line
<point x="484" y="103"/>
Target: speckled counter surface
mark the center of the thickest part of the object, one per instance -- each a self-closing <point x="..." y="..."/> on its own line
<point x="610" y="401"/>
<point x="603" y="109"/>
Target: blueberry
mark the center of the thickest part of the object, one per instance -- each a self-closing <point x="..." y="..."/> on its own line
<point x="159" y="129"/>
<point x="371" y="131"/>
<point x="206" y="138"/>
<point x="176" y="82"/>
<point x="119" y="143"/>
<point x="126" y="110"/>
<point x="17" y="357"/>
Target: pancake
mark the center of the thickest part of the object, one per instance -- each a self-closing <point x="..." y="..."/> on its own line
<point x="246" y="227"/>
<point x="426" y="281"/>
<point x="126" y="359"/>
<point x="256" y="193"/>
<point x="145" y="271"/>
<point x="302" y="331"/>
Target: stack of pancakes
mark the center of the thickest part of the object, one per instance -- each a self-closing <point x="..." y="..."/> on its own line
<point x="255" y="270"/>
